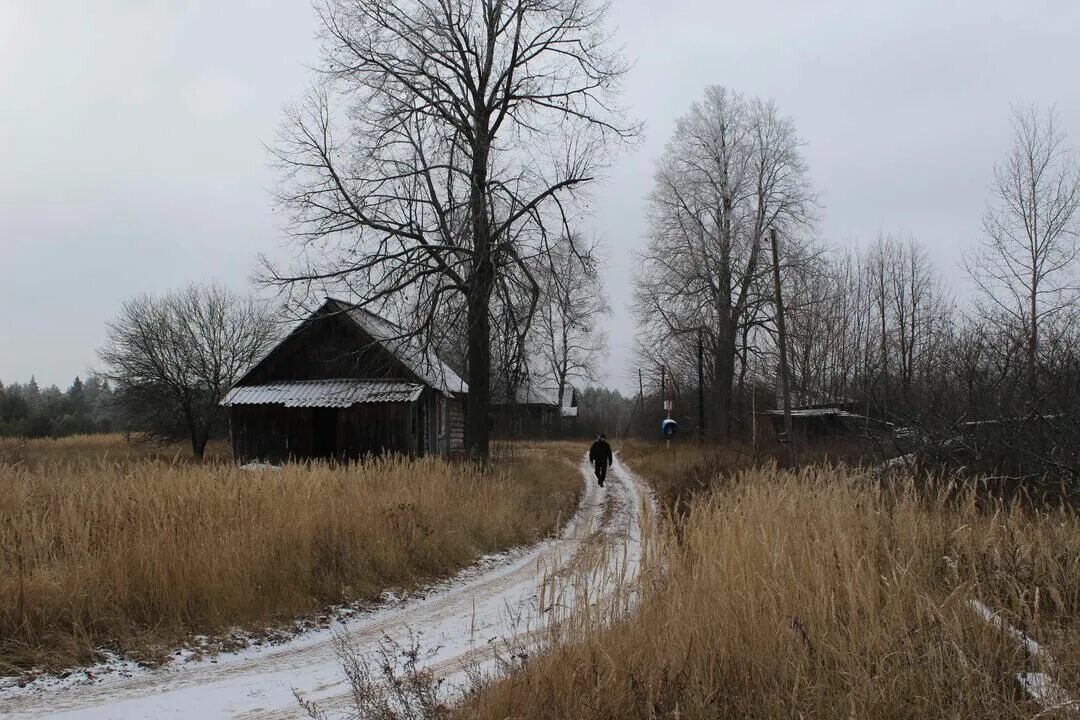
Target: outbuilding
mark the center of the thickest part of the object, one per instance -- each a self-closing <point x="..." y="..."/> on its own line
<point x="813" y="422"/>
<point x="345" y="384"/>
<point x="535" y="412"/>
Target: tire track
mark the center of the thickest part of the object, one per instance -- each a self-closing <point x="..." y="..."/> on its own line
<point x="464" y="619"/>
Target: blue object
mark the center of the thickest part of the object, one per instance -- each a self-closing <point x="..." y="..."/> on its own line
<point x="668" y="428"/>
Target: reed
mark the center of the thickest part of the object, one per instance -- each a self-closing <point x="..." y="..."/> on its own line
<point x="135" y="554"/>
<point x="822" y="593"/>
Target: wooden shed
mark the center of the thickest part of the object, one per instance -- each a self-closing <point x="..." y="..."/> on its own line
<point x="345" y="384"/>
<point x="535" y="412"/>
<point x="809" y="423"/>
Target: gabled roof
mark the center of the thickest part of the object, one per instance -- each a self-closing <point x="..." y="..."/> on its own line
<point x="423" y="362"/>
<point x="339" y="393"/>
<point x="530" y="393"/>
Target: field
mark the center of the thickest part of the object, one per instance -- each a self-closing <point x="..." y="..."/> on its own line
<point x="824" y="593"/>
<point x="135" y="549"/>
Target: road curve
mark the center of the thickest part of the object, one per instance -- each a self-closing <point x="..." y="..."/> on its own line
<point x="460" y="620"/>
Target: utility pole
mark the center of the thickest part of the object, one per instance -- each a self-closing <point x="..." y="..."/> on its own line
<point x="641" y="392"/>
<point x="701" y="383"/>
<point x="785" y="390"/>
<point x="663" y="387"/>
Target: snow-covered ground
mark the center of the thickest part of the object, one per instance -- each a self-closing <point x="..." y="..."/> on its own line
<point x="502" y="599"/>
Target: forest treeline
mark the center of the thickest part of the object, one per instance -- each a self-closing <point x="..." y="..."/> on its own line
<point x="28" y="410"/>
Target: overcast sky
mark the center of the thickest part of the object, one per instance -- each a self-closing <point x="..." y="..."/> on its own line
<point x="132" y="135"/>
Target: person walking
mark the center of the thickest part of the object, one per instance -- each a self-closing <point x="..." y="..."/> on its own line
<point x="601" y="457"/>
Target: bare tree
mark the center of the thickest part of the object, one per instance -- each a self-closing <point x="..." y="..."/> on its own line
<point x="469" y="127"/>
<point x="569" y="337"/>
<point x="870" y="326"/>
<point x="1025" y="268"/>
<point x="731" y="171"/>
<point x="172" y="359"/>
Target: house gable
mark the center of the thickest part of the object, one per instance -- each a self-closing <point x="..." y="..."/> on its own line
<point x="328" y="345"/>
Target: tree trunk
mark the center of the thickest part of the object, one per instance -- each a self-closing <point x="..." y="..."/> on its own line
<point x="199" y="436"/>
<point x="476" y="427"/>
<point x="724" y="378"/>
<point x="481" y="284"/>
<point x="781" y="332"/>
<point x="884" y="339"/>
<point x="1033" y="342"/>
<point x="740" y="383"/>
<point x="701" y="383"/>
<point x="198" y="445"/>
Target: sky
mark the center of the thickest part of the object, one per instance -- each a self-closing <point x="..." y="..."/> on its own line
<point x="133" y="136"/>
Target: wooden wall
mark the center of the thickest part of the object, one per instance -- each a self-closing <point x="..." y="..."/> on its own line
<point x="526" y="421"/>
<point x="276" y="434"/>
<point x="457" y="426"/>
<point x="328" y="347"/>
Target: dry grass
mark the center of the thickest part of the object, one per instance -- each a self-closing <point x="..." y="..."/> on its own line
<point x="114" y="447"/>
<point x="134" y="554"/>
<point x="819" y="595"/>
<point x="678" y="472"/>
<point x="685" y="468"/>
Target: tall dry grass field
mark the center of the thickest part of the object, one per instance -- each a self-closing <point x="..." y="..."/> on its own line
<point x="685" y="468"/>
<point x="820" y="595"/>
<point x="114" y="447"/>
<point x="135" y="554"/>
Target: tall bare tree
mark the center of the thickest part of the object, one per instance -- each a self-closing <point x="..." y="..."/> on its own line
<point x="1026" y="267"/>
<point x="569" y="336"/>
<point x="468" y="127"/>
<point x="731" y="171"/>
<point x="173" y="358"/>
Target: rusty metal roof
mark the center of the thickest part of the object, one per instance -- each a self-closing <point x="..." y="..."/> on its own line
<point x="338" y="393"/>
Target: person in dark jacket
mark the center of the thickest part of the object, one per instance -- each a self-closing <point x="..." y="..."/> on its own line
<point x="601" y="457"/>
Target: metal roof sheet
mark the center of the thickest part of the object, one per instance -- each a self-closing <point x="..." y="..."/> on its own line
<point x="529" y="393"/>
<point x="338" y="393"/>
<point x="535" y="395"/>
<point x="420" y="360"/>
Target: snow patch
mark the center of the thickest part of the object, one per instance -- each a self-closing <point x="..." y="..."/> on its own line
<point x="496" y="607"/>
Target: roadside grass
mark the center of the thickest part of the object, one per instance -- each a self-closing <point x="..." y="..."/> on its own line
<point x="821" y="593"/>
<point x="103" y="547"/>
<point x="679" y="471"/>
<point x="114" y="447"/>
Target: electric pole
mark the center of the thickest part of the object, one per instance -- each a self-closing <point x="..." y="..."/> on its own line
<point x="663" y="387"/>
<point x="782" y="338"/>
<point x="641" y="392"/>
<point x="701" y="383"/>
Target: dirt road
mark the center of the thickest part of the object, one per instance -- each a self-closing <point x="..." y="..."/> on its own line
<point x="465" y="618"/>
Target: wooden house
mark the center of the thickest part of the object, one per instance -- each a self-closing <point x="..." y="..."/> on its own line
<point x="535" y="412"/>
<point x="346" y="384"/>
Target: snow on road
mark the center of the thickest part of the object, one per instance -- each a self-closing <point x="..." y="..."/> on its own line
<point x="507" y="599"/>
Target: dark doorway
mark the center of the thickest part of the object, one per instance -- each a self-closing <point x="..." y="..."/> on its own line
<point x="422" y="448"/>
<point x="324" y="432"/>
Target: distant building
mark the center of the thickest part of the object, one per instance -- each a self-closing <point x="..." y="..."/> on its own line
<point x="346" y="384"/>
<point x="823" y="421"/>
<point x="569" y="411"/>
<point x="535" y="412"/>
